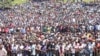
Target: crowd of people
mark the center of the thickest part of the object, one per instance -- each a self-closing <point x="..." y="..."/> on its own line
<point x="50" y="29"/>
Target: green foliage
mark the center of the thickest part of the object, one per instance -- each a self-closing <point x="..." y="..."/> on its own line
<point x="5" y="3"/>
<point x="9" y="3"/>
<point x="18" y="2"/>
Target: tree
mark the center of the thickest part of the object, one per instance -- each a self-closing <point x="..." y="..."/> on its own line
<point x="5" y="3"/>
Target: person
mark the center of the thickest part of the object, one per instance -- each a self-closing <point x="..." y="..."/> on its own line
<point x="33" y="48"/>
<point x="64" y="23"/>
<point x="14" y="49"/>
<point x="91" y="47"/>
<point x="50" y="48"/>
<point x="20" y="50"/>
<point x="3" y="52"/>
<point x="62" y="49"/>
<point x="57" y="47"/>
<point x="43" y="50"/>
<point x="38" y="49"/>
<point x="8" y="48"/>
<point x="27" y="50"/>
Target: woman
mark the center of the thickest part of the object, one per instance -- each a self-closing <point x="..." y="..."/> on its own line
<point x="62" y="49"/>
<point x="57" y="49"/>
<point x="20" y="49"/>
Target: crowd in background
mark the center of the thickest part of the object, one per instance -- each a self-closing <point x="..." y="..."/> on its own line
<point x="50" y="29"/>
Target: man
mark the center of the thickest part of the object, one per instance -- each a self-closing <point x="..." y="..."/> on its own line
<point x="91" y="46"/>
<point x="57" y="47"/>
<point x="14" y="48"/>
<point x="8" y="49"/>
<point x="2" y="51"/>
<point x="33" y="48"/>
<point x="50" y="48"/>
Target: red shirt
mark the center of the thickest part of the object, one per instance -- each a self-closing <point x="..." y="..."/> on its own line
<point x="6" y="30"/>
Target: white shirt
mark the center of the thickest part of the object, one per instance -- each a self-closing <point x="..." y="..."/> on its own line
<point x="73" y="50"/>
<point x="15" y="47"/>
<point x="98" y="27"/>
<point x="77" y="46"/>
<point x="83" y="45"/>
<point x="4" y="50"/>
<point x="11" y="29"/>
<point x="91" y="46"/>
<point x="90" y="27"/>
<point x="33" y="49"/>
<point x="44" y="41"/>
<point x="21" y="47"/>
<point x="68" y="47"/>
<point x="73" y="20"/>
<point x="57" y="47"/>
